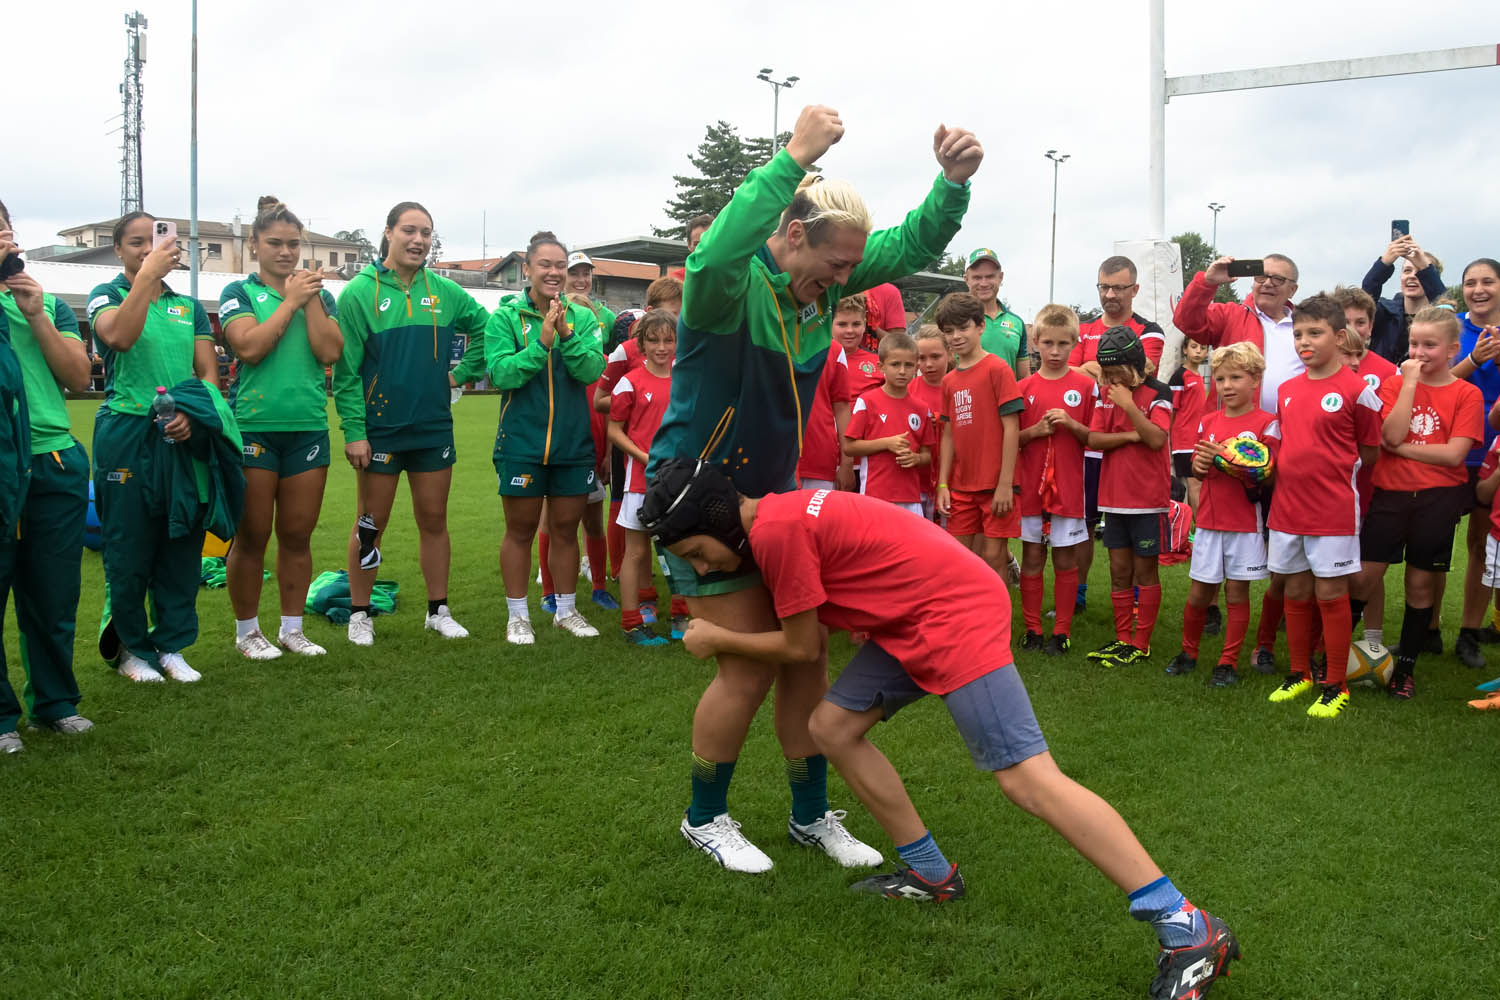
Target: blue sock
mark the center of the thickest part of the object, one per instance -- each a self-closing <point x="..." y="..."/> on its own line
<point x="1177" y="922"/>
<point x="924" y="858"/>
<point x="710" y="789"/>
<point x="1083" y="594"/>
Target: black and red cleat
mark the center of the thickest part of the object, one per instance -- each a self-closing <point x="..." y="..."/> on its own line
<point x="1187" y="973"/>
<point x="907" y="884"/>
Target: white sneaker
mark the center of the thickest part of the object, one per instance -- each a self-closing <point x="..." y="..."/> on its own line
<point x="11" y="742"/>
<point x="576" y="624"/>
<point x="175" y="667"/>
<point x="518" y="632"/>
<point x="294" y="641"/>
<point x="583" y="569"/>
<point x="256" y="646"/>
<point x="361" y="630"/>
<point x="720" y="839"/>
<point x="443" y="624"/>
<point x="830" y="835"/>
<point x="134" y="668"/>
<point x="71" y="725"/>
<point x="1013" y="572"/>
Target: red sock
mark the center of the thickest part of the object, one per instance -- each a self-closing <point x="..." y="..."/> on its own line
<point x="543" y="549"/>
<point x="631" y="618"/>
<point x="1299" y="625"/>
<point x="1066" y="584"/>
<point x="1124" y="604"/>
<point x="1338" y="624"/>
<point x="1237" y="624"/>
<point x="615" y="534"/>
<point x="679" y="606"/>
<point x="598" y="551"/>
<point x="1150" y="607"/>
<point x="647" y="595"/>
<point x="1271" y="610"/>
<point x="1192" y="628"/>
<point x="1031" y="602"/>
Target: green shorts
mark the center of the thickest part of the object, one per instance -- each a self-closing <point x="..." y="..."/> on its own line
<point x="533" y="479"/>
<point x="686" y="581"/>
<point x="393" y="463"/>
<point x="286" y="453"/>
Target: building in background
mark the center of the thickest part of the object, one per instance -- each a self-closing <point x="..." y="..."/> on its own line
<point x="224" y="247"/>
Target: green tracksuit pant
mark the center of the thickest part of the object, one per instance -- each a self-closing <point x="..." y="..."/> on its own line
<point x="47" y="579"/>
<point x="139" y="557"/>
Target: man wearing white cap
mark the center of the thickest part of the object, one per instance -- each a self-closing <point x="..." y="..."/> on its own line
<point x="1004" y="332"/>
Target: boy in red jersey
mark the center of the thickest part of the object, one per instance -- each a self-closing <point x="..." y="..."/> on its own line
<point x="981" y="410"/>
<point x="933" y="361"/>
<point x="1330" y="426"/>
<point x="1131" y="427"/>
<point x="1059" y="404"/>
<point x="1189" y="403"/>
<point x="849" y="332"/>
<point x="1229" y="546"/>
<point x="889" y="433"/>
<point x="936" y="626"/>
<point x="639" y="401"/>
<point x="1431" y="421"/>
<point x="1484" y="492"/>
<point x="823" y="464"/>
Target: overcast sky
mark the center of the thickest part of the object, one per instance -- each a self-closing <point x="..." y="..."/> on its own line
<point x="573" y="117"/>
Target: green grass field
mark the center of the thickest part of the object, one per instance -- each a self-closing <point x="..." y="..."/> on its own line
<point x="434" y="819"/>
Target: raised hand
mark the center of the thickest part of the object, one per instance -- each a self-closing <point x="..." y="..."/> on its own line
<point x="958" y="152"/>
<point x="1218" y="271"/>
<point x="818" y="128"/>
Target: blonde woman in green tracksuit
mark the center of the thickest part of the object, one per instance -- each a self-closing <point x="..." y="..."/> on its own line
<point x="543" y="353"/>
<point x="392" y="387"/>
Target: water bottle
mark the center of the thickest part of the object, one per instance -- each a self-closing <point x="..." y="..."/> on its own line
<point x="163" y="409"/>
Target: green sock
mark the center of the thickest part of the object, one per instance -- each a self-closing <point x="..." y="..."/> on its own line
<point x="808" y="777"/>
<point x="710" y="790"/>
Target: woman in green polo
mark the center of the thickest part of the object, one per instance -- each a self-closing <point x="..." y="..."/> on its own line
<point x="284" y="328"/>
<point x="149" y="336"/>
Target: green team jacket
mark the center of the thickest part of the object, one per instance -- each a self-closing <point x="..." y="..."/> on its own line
<point x="201" y="482"/>
<point x="748" y="355"/>
<point x="544" y="394"/>
<point x="15" y="436"/>
<point x="391" y="383"/>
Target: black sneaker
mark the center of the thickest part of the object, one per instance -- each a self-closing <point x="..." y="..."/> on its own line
<point x="1213" y="620"/>
<point x="1057" y="645"/>
<point x="1223" y="676"/>
<point x="1264" y="662"/>
<point x="1402" y="687"/>
<point x="1467" y="649"/>
<point x="1182" y="664"/>
<point x="1110" y="650"/>
<point x="1187" y="973"/>
<point x="907" y="884"/>
<point x="1033" y="641"/>
<point x="1489" y="635"/>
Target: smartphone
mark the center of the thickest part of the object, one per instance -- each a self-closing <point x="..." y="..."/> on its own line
<point x="1252" y="268"/>
<point x="165" y="232"/>
<point x="11" y="266"/>
<point x="1400" y="228"/>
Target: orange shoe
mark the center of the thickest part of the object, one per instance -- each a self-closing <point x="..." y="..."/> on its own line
<point x="1489" y="701"/>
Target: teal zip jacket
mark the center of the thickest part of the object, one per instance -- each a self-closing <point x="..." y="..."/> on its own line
<point x="391" y="384"/>
<point x="748" y="354"/>
<point x="199" y="483"/>
<point x="15" y="436"/>
<point x="544" y="394"/>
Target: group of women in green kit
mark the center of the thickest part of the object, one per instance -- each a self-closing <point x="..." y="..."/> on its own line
<point x="255" y="458"/>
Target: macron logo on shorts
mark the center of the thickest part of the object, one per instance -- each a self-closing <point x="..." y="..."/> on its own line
<point x="815" y="503"/>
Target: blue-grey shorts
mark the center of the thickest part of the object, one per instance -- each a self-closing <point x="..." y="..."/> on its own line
<point x="992" y="712"/>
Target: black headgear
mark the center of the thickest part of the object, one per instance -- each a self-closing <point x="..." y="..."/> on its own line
<point x="687" y="498"/>
<point x="1120" y="346"/>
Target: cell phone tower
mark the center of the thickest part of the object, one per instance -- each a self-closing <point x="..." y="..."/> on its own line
<point x="131" y="199"/>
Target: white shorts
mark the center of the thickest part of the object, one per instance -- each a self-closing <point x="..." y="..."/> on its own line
<point x="915" y="508"/>
<point x="1066" y="531"/>
<point x="928" y="505"/>
<point x="817" y="484"/>
<point x="630" y="512"/>
<point x="1228" y="555"/>
<point x="1491" y="576"/>
<point x="1327" y="556"/>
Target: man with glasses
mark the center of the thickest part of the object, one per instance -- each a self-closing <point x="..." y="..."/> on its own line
<point x="1004" y="332"/>
<point x="1263" y="319"/>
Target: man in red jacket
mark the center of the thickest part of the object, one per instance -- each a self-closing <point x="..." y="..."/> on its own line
<point x="1264" y="318"/>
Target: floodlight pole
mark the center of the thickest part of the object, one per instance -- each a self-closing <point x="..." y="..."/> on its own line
<point x="1164" y="88"/>
<point x="776" y="85"/>
<point x="1057" y="161"/>
<point x="1215" y="208"/>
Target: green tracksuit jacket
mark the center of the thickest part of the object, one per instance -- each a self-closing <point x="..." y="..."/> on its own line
<point x="390" y="386"/>
<point x="544" y="393"/>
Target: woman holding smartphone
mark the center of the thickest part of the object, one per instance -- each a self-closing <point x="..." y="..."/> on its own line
<point x="150" y="336"/>
<point x="284" y="328"/>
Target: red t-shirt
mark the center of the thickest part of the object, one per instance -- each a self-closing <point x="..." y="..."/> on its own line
<point x="1189" y="401"/>
<point x="1486" y="470"/>
<point x="930" y="396"/>
<point x="884" y="309"/>
<point x="1438" y="414"/>
<point x="927" y="600"/>
<point x="598" y="425"/>
<point x="864" y="372"/>
<point x="878" y="414"/>
<point x="1223" y="504"/>
<point x="639" y="402"/>
<point x="1075" y="393"/>
<point x="1087" y="349"/>
<point x="974" y="399"/>
<point x="622" y="360"/>
<point x="1375" y="370"/>
<point x="821" y="447"/>
<point x="1133" y="478"/>
<point x="1323" y="424"/>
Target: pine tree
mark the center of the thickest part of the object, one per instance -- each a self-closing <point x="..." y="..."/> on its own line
<point x="721" y="163"/>
<point x="1196" y="256"/>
